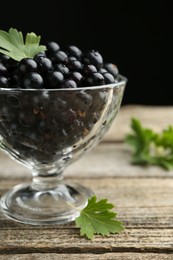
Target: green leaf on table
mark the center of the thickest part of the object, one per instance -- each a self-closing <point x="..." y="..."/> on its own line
<point x="149" y="147"/>
<point x="96" y="218"/>
<point x="12" y="44"/>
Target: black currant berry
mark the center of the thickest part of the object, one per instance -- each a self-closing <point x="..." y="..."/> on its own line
<point x="33" y="80"/>
<point x="89" y="69"/>
<point x="95" y="79"/>
<point x="27" y="65"/>
<point x="59" y="57"/>
<point x="75" y="65"/>
<point x="74" y="51"/>
<point x="44" y="64"/>
<point x="77" y="77"/>
<point x="69" y="83"/>
<point x="103" y="70"/>
<point x="93" y="57"/>
<point x="108" y="77"/>
<point x="4" y="82"/>
<point x="111" y="68"/>
<point x="54" y="79"/>
<point x="3" y="70"/>
<point x="52" y="47"/>
<point x="62" y="68"/>
<point x="40" y="54"/>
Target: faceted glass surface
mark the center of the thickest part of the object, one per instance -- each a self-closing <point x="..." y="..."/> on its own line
<point x="46" y="130"/>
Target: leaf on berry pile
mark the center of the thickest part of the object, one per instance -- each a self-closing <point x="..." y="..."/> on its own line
<point x="149" y="147"/>
<point x="96" y="218"/>
<point x="13" y="45"/>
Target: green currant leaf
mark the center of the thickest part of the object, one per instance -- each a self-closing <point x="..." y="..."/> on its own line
<point x="149" y="147"/>
<point x="96" y="218"/>
<point x="13" y="45"/>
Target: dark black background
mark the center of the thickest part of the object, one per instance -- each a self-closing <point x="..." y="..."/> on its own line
<point x="127" y="33"/>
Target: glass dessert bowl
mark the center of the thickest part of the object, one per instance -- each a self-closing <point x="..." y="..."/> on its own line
<point x="46" y="130"/>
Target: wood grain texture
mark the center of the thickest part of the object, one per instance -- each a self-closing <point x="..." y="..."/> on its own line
<point x="144" y="205"/>
<point x="107" y="159"/>
<point x="95" y="256"/>
<point x="155" y="117"/>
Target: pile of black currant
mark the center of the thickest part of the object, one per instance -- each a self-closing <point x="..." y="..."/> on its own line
<point x="57" y="68"/>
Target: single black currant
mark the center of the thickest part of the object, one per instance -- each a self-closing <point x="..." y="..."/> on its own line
<point x="112" y="68"/>
<point x="40" y="54"/>
<point x="95" y="79"/>
<point x="75" y="65"/>
<point x="77" y="77"/>
<point x="71" y="58"/>
<point x="62" y="68"/>
<point x="52" y="47"/>
<point x="3" y="70"/>
<point x="59" y="57"/>
<point x="74" y="51"/>
<point x="108" y="77"/>
<point x="102" y="70"/>
<point x="93" y="57"/>
<point x="33" y="80"/>
<point x="54" y="79"/>
<point x="4" y="82"/>
<point x="89" y="69"/>
<point x="69" y="83"/>
<point x="26" y="65"/>
<point x="44" y="64"/>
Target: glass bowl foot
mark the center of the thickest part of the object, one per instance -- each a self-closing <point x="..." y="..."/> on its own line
<point x="49" y="206"/>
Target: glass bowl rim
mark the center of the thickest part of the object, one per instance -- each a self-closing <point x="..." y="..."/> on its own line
<point x="123" y="80"/>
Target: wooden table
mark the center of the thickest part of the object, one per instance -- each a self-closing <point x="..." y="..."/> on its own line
<point x="143" y="199"/>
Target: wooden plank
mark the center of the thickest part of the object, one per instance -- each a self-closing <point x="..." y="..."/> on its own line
<point x="154" y="117"/>
<point x="124" y="192"/>
<point x="144" y="205"/>
<point x="95" y="256"/>
<point x="112" y="160"/>
<point x="133" y="217"/>
<point x="107" y="159"/>
<point x="140" y="202"/>
<point x="68" y="241"/>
